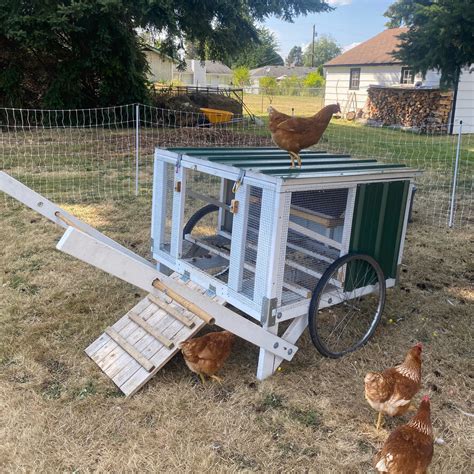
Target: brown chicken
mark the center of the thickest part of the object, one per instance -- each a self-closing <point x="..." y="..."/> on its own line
<point x="206" y="355"/>
<point x="391" y="391"/>
<point x="293" y="134"/>
<point x="409" y="448"/>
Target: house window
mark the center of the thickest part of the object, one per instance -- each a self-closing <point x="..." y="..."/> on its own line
<point x="407" y="76"/>
<point x="354" y="79"/>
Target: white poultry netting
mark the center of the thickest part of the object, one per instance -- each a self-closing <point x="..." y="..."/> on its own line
<point x="90" y="155"/>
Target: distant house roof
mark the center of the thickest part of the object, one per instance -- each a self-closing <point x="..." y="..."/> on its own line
<point x="149" y="47"/>
<point x="278" y="71"/>
<point x="375" y="51"/>
<point x="216" y="67"/>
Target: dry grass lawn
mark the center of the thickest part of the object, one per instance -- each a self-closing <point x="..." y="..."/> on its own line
<point x="59" y="413"/>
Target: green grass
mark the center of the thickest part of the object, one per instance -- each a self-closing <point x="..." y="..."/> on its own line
<point x="258" y="104"/>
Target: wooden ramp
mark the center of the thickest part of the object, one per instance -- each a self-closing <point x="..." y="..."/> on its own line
<point x="139" y="344"/>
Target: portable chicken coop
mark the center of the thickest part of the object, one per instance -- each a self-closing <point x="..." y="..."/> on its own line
<point x="288" y="248"/>
<point x="283" y="244"/>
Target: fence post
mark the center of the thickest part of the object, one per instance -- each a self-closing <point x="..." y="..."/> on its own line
<point x="137" y="145"/>
<point x="455" y="177"/>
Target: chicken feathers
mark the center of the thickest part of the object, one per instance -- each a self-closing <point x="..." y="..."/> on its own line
<point x="410" y="447"/>
<point x="293" y="134"/>
<point x="391" y="391"/>
<point x="206" y="355"/>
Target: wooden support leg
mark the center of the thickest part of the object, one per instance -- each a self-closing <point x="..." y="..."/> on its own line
<point x="267" y="360"/>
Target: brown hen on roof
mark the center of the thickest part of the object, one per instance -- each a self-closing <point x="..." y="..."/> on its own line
<point x="293" y="134"/>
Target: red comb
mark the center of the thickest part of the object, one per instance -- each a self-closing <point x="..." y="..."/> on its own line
<point x="419" y="345"/>
<point x="426" y="398"/>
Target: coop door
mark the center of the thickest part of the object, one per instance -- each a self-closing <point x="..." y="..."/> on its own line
<point x="162" y="212"/>
<point x="317" y="236"/>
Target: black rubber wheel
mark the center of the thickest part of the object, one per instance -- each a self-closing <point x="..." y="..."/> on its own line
<point x="333" y="328"/>
<point x="197" y="216"/>
<point x="193" y="220"/>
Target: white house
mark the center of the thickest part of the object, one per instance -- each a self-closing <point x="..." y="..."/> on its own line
<point x="349" y="75"/>
<point x="208" y="73"/>
<point x="161" y="66"/>
<point x="164" y="69"/>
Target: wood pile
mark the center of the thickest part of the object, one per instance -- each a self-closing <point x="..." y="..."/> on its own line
<point x="422" y="110"/>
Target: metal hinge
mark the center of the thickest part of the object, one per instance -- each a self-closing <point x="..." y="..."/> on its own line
<point x="211" y="292"/>
<point x="186" y="276"/>
<point x="269" y="311"/>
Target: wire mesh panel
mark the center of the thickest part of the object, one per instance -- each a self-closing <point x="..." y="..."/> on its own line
<point x="252" y="236"/>
<point x="71" y="155"/>
<point x="204" y="246"/>
<point x="314" y="240"/>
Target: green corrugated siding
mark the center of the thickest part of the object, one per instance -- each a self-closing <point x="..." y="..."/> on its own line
<point x="378" y="221"/>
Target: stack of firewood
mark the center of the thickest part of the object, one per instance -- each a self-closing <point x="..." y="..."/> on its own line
<point x="420" y="109"/>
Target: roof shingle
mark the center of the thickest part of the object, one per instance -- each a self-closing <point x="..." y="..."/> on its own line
<point x="376" y="50"/>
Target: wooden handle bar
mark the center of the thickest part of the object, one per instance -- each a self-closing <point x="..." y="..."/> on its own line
<point x="65" y="220"/>
<point x="200" y="313"/>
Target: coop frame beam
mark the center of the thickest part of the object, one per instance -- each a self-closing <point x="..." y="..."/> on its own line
<point x="103" y="256"/>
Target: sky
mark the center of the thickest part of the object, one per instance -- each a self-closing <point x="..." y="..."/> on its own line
<point x="352" y="22"/>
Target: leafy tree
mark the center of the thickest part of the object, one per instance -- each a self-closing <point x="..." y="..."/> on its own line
<point x="241" y="76"/>
<point x="268" y="86"/>
<point x="291" y="85"/>
<point x="440" y="35"/>
<point x="88" y="53"/>
<point x="325" y="49"/>
<point x="262" y="52"/>
<point x="313" y="80"/>
<point x="295" y="56"/>
<point x="268" y="83"/>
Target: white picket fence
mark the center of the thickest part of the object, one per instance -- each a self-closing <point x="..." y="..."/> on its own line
<point x="95" y="154"/>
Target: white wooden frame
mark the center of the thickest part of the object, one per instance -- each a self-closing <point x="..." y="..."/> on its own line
<point x="239" y="239"/>
<point x="115" y="262"/>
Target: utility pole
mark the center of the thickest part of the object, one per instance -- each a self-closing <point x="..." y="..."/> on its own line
<point x="312" y="52"/>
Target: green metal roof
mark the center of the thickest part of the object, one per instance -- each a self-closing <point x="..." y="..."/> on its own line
<point x="276" y="162"/>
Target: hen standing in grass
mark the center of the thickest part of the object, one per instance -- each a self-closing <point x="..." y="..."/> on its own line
<point x="293" y="134"/>
<point x="391" y="391"/>
<point x="206" y="355"/>
<point x="408" y="449"/>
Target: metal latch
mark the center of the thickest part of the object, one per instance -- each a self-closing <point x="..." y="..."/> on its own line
<point x="234" y="206"/>
<point x="178" y="162"/>
<point x="239" y="181"/>
<point x="186" y="276"/>
<point x="269" y="312"/>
